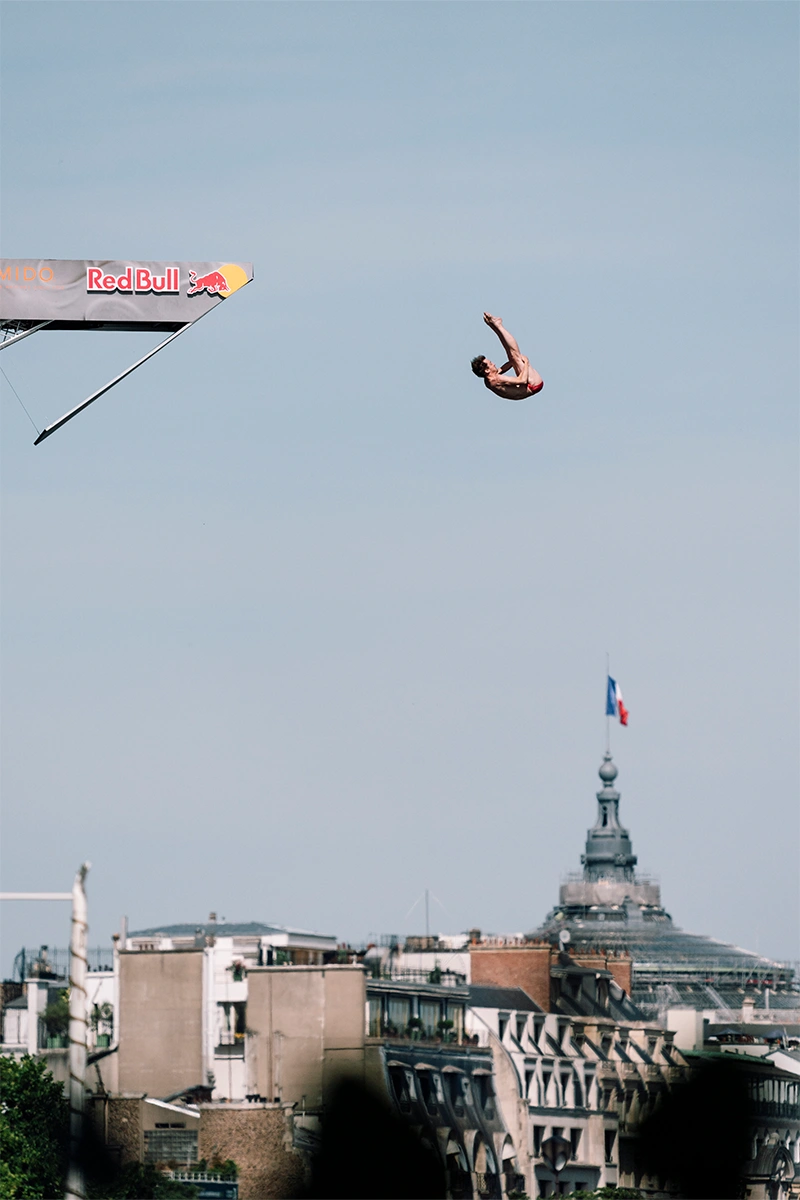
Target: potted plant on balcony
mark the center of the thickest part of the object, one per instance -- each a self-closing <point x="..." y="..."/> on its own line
<point x="102" y="1014"/>
<point x="55" y="1019"/>
<point x="445" y="1030"/>
<point x="414" y="1028"/>
<point x="238" y="969"/>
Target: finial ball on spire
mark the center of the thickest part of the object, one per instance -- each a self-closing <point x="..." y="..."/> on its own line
<point x="608" y="772"/>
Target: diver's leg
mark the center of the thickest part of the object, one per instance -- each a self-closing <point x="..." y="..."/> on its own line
<point x="518" y="360"/>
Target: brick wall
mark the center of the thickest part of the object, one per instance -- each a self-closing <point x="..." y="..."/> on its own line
<point x="258" y="1138"/>
<point x="621" y="968"/>
<point x="601" y="960"/>
<point x="526" y="967"/>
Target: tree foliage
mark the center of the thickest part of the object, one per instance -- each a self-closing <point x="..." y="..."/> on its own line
<point x="608" y="1193"/>
<point x="34" y="1131"/>
<point x="140" y="1181"/>
<point x="55" y="1017"/>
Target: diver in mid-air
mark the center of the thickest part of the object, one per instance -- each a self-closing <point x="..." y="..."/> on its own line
<point x="526" y="382"/>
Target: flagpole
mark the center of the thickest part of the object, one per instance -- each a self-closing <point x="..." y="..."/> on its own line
<point x="608" y="719"/>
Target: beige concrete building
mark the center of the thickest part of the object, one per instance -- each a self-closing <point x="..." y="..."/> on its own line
<point x="305" y="1031"/>
<point x="297" y="1030"/>
<point x="160" y="1022"/>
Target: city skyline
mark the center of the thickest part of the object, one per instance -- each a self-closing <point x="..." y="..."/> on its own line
<point x="300" y="620"/>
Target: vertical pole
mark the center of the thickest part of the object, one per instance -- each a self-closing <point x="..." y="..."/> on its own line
<point x="76" y="1189"/>
<point x="608" y="719"/>
<point x="427" y="917"/>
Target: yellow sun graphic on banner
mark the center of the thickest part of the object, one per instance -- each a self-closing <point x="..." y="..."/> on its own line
<point x="235" y="277"/>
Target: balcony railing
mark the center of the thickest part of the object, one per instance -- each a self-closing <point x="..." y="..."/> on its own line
<point x="449" y="1037"/>
<point x="487" y="1185"/>
<point x="437" y="975"/>
<point x="776" y="1108"/>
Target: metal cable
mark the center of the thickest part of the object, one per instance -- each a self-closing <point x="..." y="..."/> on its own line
<point x="16" y="393"/>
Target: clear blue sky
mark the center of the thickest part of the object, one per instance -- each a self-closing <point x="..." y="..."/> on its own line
<point x="300" y="620"/>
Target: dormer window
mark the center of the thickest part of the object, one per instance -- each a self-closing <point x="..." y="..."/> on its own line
<point x="502" y="1024"/>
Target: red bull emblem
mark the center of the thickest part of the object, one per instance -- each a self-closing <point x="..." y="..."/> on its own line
<point x="214" y="282"/>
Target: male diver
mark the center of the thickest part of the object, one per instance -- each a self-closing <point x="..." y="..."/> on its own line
<point x="526" y="382"/>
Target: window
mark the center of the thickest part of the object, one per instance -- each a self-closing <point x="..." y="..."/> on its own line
<point x="575" y="1139"/>
<point x="455" y="1013"/>
<point x="538" y="1138"/>
<point x="529" y="1075"/>
<point x="170" y="1145"/>
<point x="521" y="1023"/>
<point x="231" y="1025"/>
<point x="400" y="1088"/>
<point x="610" y="1139"/>
<point x="546" y="1077"/>
<point x="565" y="1078"/>
<point x="428" y="1090"/>
<point x="374" y="1017"/>
<point x="456" y="1095"/>
<point x="483" y="1086"/>
<point x="538" y="1026"/>
<point x="576" y="1083"/>
<point x="502" y="1024"/>
<point x="398" y="1014"/>
<point x="429" y="1015"/>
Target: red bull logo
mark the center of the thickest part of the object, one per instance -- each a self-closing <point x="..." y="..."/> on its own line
<point x="134" y="279"/>
<point x="214" y="282"/>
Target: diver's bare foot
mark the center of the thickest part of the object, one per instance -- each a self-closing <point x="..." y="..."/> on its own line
<point x="492" y="322"/>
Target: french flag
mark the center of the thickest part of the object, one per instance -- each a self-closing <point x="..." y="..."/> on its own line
<point x="614" y="705"/>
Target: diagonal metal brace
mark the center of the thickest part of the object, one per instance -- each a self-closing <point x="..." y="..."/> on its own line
<point x="17" y="337"/>
<point x="107" y="387"/>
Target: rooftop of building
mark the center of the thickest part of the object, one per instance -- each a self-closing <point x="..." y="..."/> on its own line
<point x="254" y="929"/>
<point x="488" y="996"/>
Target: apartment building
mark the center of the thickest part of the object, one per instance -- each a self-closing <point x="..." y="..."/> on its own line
<point x="574" y="1059"/>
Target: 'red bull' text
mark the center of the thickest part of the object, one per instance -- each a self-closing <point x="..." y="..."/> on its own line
<point x="134" y="279"/>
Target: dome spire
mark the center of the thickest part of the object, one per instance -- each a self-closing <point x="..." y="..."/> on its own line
<point x="609" y="854"/>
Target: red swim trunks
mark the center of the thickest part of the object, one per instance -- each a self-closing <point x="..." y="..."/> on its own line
<point x="533" y="388"/>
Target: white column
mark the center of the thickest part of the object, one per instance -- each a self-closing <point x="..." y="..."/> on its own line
<point x="76" y="1189"/>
